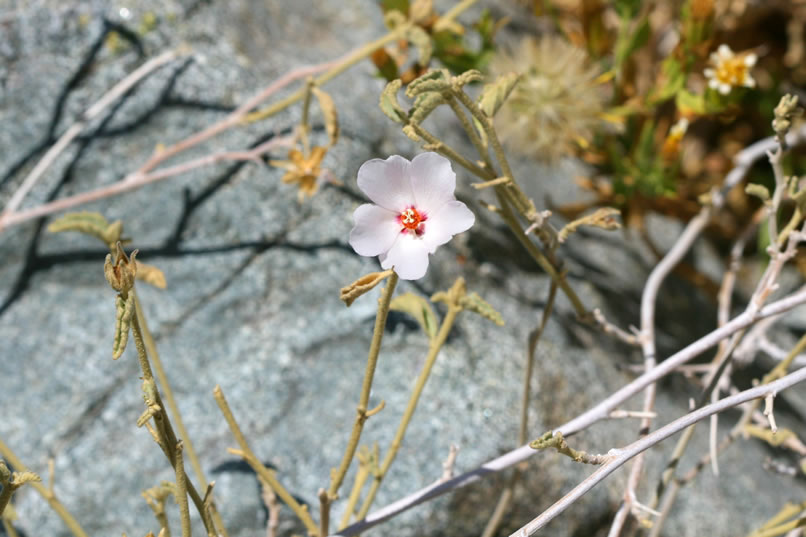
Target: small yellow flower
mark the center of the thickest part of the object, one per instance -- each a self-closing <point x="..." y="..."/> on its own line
<point x="730" y="70"/>
<point x="303" y="171"/>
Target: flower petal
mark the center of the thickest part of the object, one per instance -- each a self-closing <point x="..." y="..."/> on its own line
<point x="750" y="60"/>
<point x="375" y="230"/>
<point x="454" y="217"/>
<point x="386" y="182"/>
<point x="432" y="181"/>
<point x="409" y="257"/>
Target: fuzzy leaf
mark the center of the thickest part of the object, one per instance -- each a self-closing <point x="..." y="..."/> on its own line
<point x="89" y="223"/>
<point x="420" y="39"/>
<point x="419" y="308"/>
<point x="603" y="218"/>
<point x="409" y="131"/>
<point x="424" y="104"/>
<point x="123" y="319"/>
<point x="330" y="113"/>
<point x="389" y="104"/>
<point x="494" y="94"/>
<point x="473" y="302"/>
<point x="435" y="80"/>
<point x="20" y="478"/>
<point x="362" y="285"/>
<point x="151" y="275"/>
<point x="471" y="75"/>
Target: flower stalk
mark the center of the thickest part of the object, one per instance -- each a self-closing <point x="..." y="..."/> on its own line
<point x="454" y="307"/>
<point x="361" y="411"/>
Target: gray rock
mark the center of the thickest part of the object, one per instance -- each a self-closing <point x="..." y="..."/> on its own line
<point x="252" y="302"/>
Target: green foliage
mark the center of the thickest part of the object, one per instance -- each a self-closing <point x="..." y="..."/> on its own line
<point x="455" y="53"/>
<point x="629" y="42"/>
<point x="389" y="103"/>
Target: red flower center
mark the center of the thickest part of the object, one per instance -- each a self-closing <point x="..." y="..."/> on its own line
<point x="412" y="221"/>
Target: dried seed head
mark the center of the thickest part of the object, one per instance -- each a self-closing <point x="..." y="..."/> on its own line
<point x="558" y="102"/>
<point x="121" y="271"/>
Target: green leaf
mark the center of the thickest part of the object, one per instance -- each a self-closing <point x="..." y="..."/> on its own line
<point x="395" y="5"/>
<point x="419" y="308"/>
<point x="453" y="50"/>
<point x="673" y="78"/>
<point x="389" y="104"/>
<point x="690" y="103"/>
<point x="387" y="66"/>
<point x="494" y="94"/>
<point x="626" y="8"/>
<point x="626" y="45"/>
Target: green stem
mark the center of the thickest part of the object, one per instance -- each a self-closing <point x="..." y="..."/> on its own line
<point x="539" y="257"/>
<point x="9" y="527"/>
<point x="433" y="351"/>
<point x="5" y="495"/>
<point x="324" y="523"/>
<point x="364" y="467"/>
<point x="182" y="491"/>
<point x="69" y="521"/>
<point x="447" y="151"/>
<point x="162" y="377"/>
<point x="267" y="474"/>
<point x="369" y="373"/>
<point x="516" y="196"/>
<point x="471" y="133"/>
<point x="167" y="437"/>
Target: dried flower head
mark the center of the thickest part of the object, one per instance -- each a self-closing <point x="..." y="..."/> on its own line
<point x="414" y="211"/>
<point x="121" y="270"/>
<point x="558" y="103"/>
<point x="303" y="171"/>
<point x="730" y="70"/>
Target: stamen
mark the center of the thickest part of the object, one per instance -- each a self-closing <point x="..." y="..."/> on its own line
<point x="412" y="221"/>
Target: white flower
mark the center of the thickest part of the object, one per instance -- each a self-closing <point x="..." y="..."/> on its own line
<point x="730" y="70"/>
<point x="414" y="211"/>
